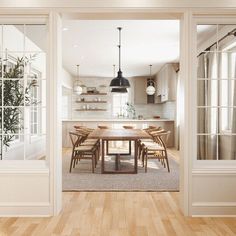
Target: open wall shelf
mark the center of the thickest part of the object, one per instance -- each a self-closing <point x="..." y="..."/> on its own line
<point x="90" y="109"/>
<point x="94" y="94"/>
<point x="91" y="101"/>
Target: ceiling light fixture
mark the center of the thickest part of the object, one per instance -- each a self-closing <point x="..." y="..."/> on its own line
<point x="119" y="81"/>
<point x="118" y="90"/>
<point x="150" y="90"/>
<point x="78" y="84"/>
<point x="64" y="29"/>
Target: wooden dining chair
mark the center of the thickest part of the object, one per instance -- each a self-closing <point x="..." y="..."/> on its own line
<point x="82" y="149"/>
<point x="150" y="130"/>
<point x="156" y="149"/>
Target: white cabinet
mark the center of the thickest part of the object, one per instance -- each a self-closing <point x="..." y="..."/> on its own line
<point x="166" y="84"/>
<point x="140" y="96"/>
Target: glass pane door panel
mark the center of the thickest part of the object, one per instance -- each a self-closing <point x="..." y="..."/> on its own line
<point x="13" y="38"/>
<point x="13" y="147"/>
<point x="207" y="147"/>
<point x="22" y="91"/>
<point x="227" y="147"/>
<point x="207" y="120"/>
<point x="37" y="148"/>
<point x="216" y="92"/>
<point x="207" y="92"/>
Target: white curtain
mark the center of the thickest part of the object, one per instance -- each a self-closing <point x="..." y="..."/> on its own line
<point x="207" y="96"/>
<point x="233" y="137"/>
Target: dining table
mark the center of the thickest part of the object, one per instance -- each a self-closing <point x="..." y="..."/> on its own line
<point x="106" y="135"/>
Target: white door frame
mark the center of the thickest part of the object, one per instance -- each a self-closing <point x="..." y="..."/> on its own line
<point x="185" y="35"/>
<point x="54" y="128"/>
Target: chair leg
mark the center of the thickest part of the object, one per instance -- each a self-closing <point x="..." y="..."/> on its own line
<point x="74" y="163"/>
<point x="107" y="147"/>
<point x="146" y="159"/>
<point x="167" y="162"/>
<point x="96" y="156"/>
<point x="130" y="147"/>
<point x="98" y="152"/>
<point x="93" y="160"/>
<point x="143" y="156"/>
<point x="71" y="162"/>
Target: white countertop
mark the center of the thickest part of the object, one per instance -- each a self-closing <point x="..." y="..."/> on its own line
<point x="116" y="120"/>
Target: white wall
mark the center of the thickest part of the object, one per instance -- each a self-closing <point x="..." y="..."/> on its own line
<point x="67" y="79"/>
<point x="67" y="90"/>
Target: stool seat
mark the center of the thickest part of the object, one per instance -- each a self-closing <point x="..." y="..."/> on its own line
<point x="128" y="127"/>
<point x="84" y="148"/>
<point x="103" y="127"/>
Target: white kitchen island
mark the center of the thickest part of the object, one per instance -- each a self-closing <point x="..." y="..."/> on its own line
<point x="68" y="125"/>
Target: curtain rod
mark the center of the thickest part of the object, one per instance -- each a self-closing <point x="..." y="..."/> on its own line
<point x="232" y="32"/>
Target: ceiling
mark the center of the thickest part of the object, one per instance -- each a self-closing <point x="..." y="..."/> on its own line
<point x="93" y="45"/>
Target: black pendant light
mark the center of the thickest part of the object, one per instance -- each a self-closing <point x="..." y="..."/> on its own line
<point x="118" y="90"/>
<point x="119" y="81"/>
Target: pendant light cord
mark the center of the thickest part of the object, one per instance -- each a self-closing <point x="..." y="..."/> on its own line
<point x="114" y="71"/>
<point x="78" y="73"/>
<point x="150" y="78"/>
<point x="119" y="46"/>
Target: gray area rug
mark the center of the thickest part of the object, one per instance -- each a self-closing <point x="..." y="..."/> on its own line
<point x="157" y="177"/>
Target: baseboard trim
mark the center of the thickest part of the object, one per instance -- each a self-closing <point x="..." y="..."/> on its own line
<point x="214" y="204"/>
<point x="121" y="190"/>
<point x="26" y="210"/>
<point x="213" y="209"/>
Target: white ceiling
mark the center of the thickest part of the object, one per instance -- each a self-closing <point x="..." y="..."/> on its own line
<point x="93" y="45"/>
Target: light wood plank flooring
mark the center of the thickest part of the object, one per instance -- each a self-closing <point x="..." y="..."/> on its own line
<point x="119" y="214"/>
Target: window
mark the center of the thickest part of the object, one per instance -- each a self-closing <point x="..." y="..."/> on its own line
<point x="22" y="91"/>
<point x="216" y="90"/>
<point x="226" y="90"/>
<point x="118" y="104"/>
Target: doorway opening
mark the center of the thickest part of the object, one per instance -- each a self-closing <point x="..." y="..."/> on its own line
<point x="90" y="59"/>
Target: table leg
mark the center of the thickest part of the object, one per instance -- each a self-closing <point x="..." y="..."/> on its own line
<point x="117" y="161"/>
<point x="135" y="156"/>
<point x="103" y="157"/>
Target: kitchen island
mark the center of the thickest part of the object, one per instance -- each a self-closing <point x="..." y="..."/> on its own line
<point x="68" y="125"/>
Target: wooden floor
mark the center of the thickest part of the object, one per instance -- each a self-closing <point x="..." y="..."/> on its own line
<point x="119" y="214"/>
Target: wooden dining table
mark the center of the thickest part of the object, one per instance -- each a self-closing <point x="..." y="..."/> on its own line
<point x="106" y="135"/>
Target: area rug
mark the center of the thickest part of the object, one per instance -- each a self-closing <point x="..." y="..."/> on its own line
<point x="157" y="177"/>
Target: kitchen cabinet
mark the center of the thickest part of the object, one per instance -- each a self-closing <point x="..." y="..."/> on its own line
<point x="140" y="96"/>
<point x="166" y="84"/>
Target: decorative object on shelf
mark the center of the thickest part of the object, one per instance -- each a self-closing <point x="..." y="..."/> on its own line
<point x="92" y="90"/>
<point x="102" y="88"/>
<point x="140" y="117"/>
<point x="150" y="90"/>
<point x="118" y="90"/>
<point x="130" y="110"/>
<point x="78" y="86"/>
<point x="119" y="81"/>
